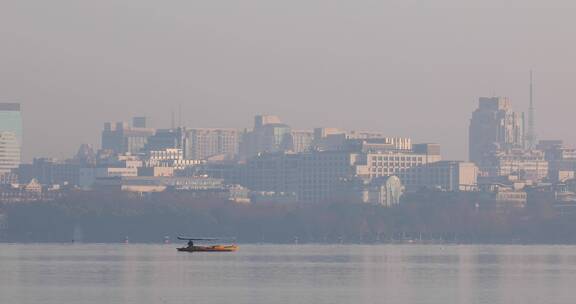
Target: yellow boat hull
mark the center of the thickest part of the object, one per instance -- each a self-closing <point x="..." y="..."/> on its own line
<point x="215" y="248"/>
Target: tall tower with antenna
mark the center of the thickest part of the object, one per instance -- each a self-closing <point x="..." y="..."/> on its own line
<point x="531" y="133"/>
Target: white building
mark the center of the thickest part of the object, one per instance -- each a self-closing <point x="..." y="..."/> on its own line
<point x="526" y="165"/>
<point x="384" y="191"/>
<point x="173" y="158"/>
<point x="399" y="163"/>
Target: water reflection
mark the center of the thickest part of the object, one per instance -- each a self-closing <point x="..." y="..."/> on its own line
<point x="287" y="274"/>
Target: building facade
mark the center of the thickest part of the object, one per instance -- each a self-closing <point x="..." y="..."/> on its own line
<point x="49" y="171"/>
<point x="451" y="176"/>
<point x="561" y="159"/>
<point x="166" y="139"/>
<point x="9" y="152"/>
<point x="121" y="138"/>
<point x="206" y="143"/>
<point x="269" y="135"/>
<point x="528" y="165"/>
<point x="399" y="163"/>
<point x="494" y="126"/>
<point x="302" y="140"/>
<point x="384" y="191"/>
<point x="10" y="137"/>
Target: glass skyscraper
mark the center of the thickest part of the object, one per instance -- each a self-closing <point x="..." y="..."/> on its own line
<point x="10" y="136"/>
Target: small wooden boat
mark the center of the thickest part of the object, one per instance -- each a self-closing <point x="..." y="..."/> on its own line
<point x="214" y="248"/>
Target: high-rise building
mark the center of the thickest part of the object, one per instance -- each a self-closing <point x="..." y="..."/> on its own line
<point x="9" y="152"/>
<point x="140" y="122"/>
<point x="302" y="140"/>
<point x="205" y="143"/>
<point x="10" y="136"/>
<point x="269" y="135"/>
<point x="166" y="139"/>
<point x="121" y="138"/>
<point x="494" y="126"/>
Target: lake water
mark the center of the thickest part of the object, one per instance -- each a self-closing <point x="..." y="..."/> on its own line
<point x="287" y="274"/>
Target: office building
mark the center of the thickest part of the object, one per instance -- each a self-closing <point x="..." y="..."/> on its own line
<point x="302" y="140"/>
<point x="272" y="172"/>
<point x="140" y="122"/>
<point x="10" y="137"/>
<point x="11" y="119"/>
<point x="170" y="158"/>
<point x="49" y="171"/>
<point x="269" y="135"/>
<point x="529" y="165"/>
<point x="320" y="174"/>
<point x="331" y="139"/>
<point x="89" y="176"/>
<point x="166" y="139"/>
<point x="313" y="176"/>
<point x="121" y="138"/>
<point x="9" y="152"/>
<point x="206" y="143"/>
<point x="316" y="176"/>
<point x="561" y="159"/>
<point x="398" y="162"/>
<point x="494" y="126"/>
<point x="451" y="176"/>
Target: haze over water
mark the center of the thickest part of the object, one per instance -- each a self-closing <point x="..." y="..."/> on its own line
<point x="58" y="273"/>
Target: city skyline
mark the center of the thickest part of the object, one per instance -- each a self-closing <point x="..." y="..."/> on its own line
<point x="176" y="118"/>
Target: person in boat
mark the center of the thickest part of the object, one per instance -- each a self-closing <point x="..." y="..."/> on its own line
<point x="190" y="244"/>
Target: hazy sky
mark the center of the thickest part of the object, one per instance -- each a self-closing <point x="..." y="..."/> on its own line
<point x="404" y="67"/>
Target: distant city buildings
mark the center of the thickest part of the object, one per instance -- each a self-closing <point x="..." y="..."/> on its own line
<point x="49" y="171"/>
<point x="302" y="140"/>
<point x="119" y="137"/>
<point x="498" y="146"/>
<point x="523" y="164"/>
<point x="205" y="143"/>
<point x="561" y="159"/>
<point x="320" y="175"/>
<point x="494" y="126"/>
<point x="384" y="191"/>
<point x="10" y="138"/>
<point x="329" y="139"/>
<point x="9" y="152"/>
<point x="166" y="139"/>
<point x="277" y="164"/>
<point x="269" y="135"/>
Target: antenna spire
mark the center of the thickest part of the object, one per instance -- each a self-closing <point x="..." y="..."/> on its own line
<point x="179" y="115"/>
<point x="531" y="133"/>
<point x="172" y="119"/>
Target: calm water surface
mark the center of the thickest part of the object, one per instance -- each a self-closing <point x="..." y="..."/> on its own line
<point x="288" y="274"/>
